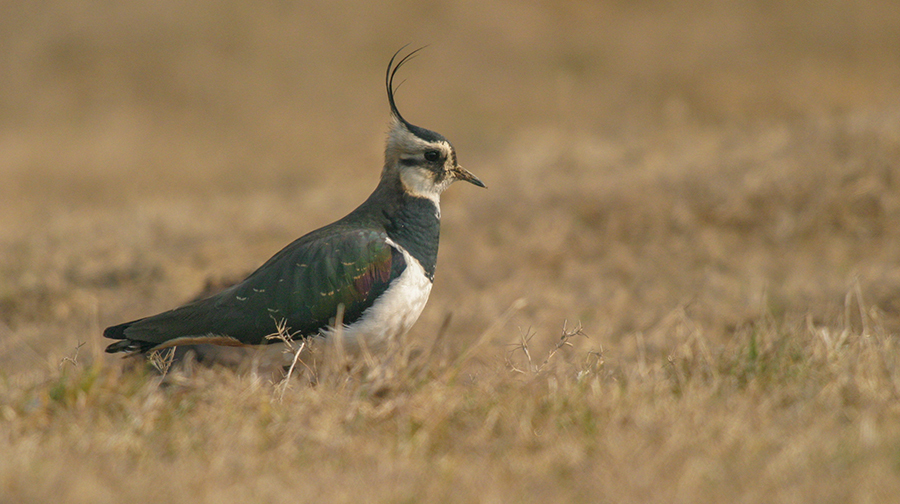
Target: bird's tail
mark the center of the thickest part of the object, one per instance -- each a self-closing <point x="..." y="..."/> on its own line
<point x="117" y="332"/>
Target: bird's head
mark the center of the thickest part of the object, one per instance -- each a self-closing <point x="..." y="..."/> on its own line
<point x="424" y="161"/>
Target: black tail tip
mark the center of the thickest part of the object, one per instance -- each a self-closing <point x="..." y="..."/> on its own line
<point x="121" y="346"/>
<point x="130" y="347"/>
<point x="117" y="332"/>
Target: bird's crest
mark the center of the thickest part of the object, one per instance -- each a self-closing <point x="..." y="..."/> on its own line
<point x="422" y="133"/>
<point x="389" y="80"/>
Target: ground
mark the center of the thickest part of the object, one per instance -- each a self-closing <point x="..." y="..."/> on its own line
<point x="710" y="191"/>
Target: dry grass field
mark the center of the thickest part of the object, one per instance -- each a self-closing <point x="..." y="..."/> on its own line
<point x="710" y="189"/>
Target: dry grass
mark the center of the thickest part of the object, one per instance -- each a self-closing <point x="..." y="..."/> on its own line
<point x="709" y="191"/>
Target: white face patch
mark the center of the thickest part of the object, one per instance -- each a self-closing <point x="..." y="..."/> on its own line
<point x="424" y="167"/>
<point x="418" y="177"/>
<point x="420" y="182"/>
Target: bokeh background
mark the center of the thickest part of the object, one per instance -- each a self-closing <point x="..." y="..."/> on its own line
<point x="650" y="164"/>
<point x="641" y="156"/>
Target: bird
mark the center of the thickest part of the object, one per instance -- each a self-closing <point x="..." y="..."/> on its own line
<point x="369" y="273"/>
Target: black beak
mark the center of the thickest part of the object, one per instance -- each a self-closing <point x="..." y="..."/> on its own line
<point x="462" y="174"/>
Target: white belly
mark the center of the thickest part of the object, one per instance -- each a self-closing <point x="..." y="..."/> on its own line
<point x="395" y="311"/>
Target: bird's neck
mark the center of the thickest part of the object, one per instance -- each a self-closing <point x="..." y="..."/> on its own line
<point x="412" y="222"/>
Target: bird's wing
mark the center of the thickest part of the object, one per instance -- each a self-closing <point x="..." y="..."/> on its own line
<point x="301" y="287"/>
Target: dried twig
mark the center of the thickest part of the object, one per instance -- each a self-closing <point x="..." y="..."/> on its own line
<point x="282" y="333"/>
<point x="74" y="358"/>
<point x="522" y="346"/>
<point x="162" y="360"/>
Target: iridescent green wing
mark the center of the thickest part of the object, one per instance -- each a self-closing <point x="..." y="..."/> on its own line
<point x="301" y="286"/>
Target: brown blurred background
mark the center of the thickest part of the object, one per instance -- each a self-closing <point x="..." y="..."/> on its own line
<point x="718" y="159"/>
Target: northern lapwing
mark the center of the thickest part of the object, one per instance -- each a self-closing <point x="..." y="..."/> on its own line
<point x="377" y="263"/>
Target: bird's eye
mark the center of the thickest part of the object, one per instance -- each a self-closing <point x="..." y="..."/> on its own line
<point x="432" y="155"/>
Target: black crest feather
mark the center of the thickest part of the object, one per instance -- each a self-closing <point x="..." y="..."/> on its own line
<point x="422" y="133"/>
<point x="389" y="79"/>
